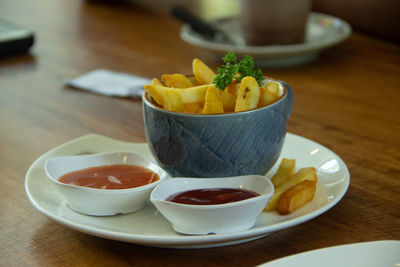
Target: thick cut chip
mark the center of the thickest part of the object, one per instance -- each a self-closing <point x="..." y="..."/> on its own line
<point x="228" y="101"/>
<point x="193" y="80"/>
<point x="213" y="103"/>
<point x="286" y="170"/>
<point x="300" y="176"/>
<point x="269" y="94"/>
<point x="194" y="94"/>
<point x="176" y="81"/>
<point x="273" y="88"/>
<point x="266" y="97"/>
<point x="296" y="197"/>
<point x="193" y="107"/>
<point x="203" y="74"/>
<point x="173" y="101"/>
<point x="155" y="81"/>
<point x="248" y="94"/>
<point x="229" y="97"/>
<point x="156" y="90"/>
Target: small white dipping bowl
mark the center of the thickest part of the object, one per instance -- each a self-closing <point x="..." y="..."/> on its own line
<point x="101" y="202"/>
<point x="210" y="219"/>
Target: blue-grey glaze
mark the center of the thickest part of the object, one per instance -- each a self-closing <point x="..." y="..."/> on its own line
<point x="195" y="145"/>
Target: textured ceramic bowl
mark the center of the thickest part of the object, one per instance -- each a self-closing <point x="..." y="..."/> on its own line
<point x="217" y="145"/>
<point x="217" y="219"/>
<point x="101" y="202"/>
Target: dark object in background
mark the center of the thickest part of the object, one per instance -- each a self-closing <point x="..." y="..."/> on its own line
<point x="200" y="26"/>
<point x="14" y="38"/>
<point x="379" y="18"/>
<point x="274" y="22"/>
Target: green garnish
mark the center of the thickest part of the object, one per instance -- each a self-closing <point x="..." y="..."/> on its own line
<point x="228" y="71"/>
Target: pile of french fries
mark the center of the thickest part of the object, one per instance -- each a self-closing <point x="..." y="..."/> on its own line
<point x="292" y="189"/>
<point x="198" y="94"/>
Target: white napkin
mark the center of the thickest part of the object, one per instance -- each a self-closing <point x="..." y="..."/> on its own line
<point x="111" y="83"/>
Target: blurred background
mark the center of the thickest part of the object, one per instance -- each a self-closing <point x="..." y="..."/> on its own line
<point x="377" y="17"/>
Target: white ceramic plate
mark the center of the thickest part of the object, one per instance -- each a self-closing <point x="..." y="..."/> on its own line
<point x="322" y="31"/>
<point x="367" y="254"/>
<point x="149" y="227"/>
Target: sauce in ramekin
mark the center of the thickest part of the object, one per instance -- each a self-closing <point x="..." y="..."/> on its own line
<point x="118" y="176"/>
<point x="211" y="196"/>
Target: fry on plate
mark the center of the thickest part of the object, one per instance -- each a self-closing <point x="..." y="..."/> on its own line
<point x="296" y="197"/>
<point x="285" y="171"/>
<point x="300" y="176"/>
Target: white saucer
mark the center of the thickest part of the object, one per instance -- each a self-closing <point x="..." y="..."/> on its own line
<point x="149" y="227"/>
<point x="366" y="254"/>
<point x="323" y="31"/>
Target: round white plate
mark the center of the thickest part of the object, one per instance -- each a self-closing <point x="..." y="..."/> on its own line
<point x="322" y="31"/>
<point x="149" y="227"/>
<point x="366" y="254"/>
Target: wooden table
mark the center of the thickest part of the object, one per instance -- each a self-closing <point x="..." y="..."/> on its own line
<point x="348" y="101"/>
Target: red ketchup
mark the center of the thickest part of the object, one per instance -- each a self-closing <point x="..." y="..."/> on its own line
<point x="211" y="196"/>
<point x="118" y="176"/>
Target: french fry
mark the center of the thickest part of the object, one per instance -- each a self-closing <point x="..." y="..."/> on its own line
<point x="300" y="176"/>
<point x="176" y="81"/>
<point x="155" y="81"/>
<point x="229" y="97"/>
<point x="193" y="107"/>
<point x="228" y="101"/>
<point x="296" y="196"/>
<point x="286" y="169"/>
<point x="194" y="94"/>
<point x="273" y="88"/>
<point x="268" y="94"/>
<point x="193" y="80"/>
<point x="248" y="94"/>
<point x="203" y="74"/>
<point x="265" y="97"/>
<point x="173" y="101"/>
<point x="156" y="90"/>
<point x="213" y="102"/>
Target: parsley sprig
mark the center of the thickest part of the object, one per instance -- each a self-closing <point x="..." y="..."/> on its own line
<point x="232" y="70"/>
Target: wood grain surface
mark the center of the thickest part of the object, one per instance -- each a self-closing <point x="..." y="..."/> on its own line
<point x="348" y="100"/>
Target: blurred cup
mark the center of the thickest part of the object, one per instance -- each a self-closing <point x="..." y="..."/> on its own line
<point x="269" y="22"/>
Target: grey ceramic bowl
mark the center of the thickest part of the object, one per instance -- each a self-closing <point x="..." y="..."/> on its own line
<point x="220" y="145"/>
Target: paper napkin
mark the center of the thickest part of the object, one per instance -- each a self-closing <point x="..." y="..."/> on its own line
<point x="111" y="83"/>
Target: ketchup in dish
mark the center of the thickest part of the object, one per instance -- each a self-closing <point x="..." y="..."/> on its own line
<point x="119" y="176"/>
<point x="211" y="196"/>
